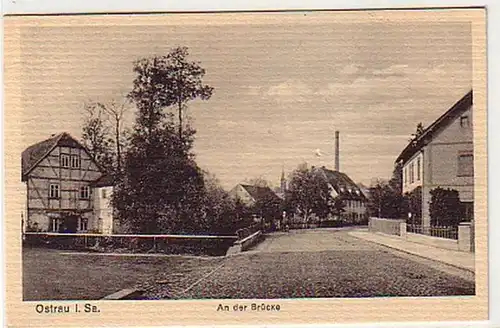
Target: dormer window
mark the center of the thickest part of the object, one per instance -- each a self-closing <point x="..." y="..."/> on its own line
<point x="464" y="121"/>
<point x="357" y="192"/>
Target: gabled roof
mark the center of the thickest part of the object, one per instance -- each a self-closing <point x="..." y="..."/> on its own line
<point x="260" y="193"/>
<point x="34" y="154"/>
<point x="104" y="181"/>
<point x="443" y="121"/>
<point x="343" y="185"/>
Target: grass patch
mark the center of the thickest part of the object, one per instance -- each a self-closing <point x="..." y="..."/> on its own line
<point x="50" y="275"/>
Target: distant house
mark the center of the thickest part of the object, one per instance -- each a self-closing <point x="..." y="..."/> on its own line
<point x="250" y="195"/>
<point x="58" y="173"/>
<point x="443" y="156"/>
<point x="343" y="187"/>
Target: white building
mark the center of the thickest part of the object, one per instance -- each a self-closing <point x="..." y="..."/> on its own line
<point x="103" y="209"/>
<point x="443" y="156"/>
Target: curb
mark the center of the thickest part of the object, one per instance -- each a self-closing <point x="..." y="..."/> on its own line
<point x="124" y="294"/>
<point x="414" y="254"/>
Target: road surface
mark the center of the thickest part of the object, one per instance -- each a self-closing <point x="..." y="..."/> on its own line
<point x="327" y="263"/>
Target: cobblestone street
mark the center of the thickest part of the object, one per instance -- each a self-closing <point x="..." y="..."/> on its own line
<point x="327" y="263"/>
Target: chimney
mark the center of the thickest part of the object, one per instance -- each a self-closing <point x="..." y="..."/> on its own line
<point x="337" y="155"/>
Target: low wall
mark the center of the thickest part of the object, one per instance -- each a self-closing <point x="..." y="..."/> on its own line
<point x="168" y="244"/>
<point x="433" y="241"/>
<point x="246" y="243"/>
<point x="387" y="226"/>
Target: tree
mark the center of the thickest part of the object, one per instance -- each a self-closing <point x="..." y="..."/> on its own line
<point x="376" y="201"/>
<point x="170" y="80"/>
<point x="396" y="181"/>
<point x="269" y="207"/>
<point x="445" y="207"/>
<point x="95" y="136"/>
<point x="163" y="189"/>
<point x="386" y="197"/>
<point x="308" y="194"/>
<point x="258" y="182"/>
<point x="219" y="208"/>
<point x="338" y="207"/>
<point x="116" y="112"/>
<point x="385" y="201"/>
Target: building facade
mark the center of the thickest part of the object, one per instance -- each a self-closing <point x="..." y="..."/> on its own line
<point x="59" y="173"/>
<point x="443" y="156"/>
<point x="103" y="209"/>
<point x="343" y="187"/>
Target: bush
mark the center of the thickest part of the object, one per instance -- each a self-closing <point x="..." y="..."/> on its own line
<point x="445" y="207"/>
<point x="413" y="205"/>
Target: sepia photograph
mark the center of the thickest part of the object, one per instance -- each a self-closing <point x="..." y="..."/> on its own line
<point x="259" y="157"/>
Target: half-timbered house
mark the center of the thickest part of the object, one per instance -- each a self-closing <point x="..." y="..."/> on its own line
<point x="58" y="173"/>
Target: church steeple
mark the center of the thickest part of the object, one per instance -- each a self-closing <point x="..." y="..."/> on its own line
<point x="283" y="181"/>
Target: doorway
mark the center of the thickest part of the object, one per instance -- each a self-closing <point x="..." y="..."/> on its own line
<point x="70" y="223"/>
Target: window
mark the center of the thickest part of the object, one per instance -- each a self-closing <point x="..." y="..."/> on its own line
<point x="84" y="192"/>
<point x="406" y="174"/>
<point x="467" y="211"/>
<point x="418" y="169"/>
<point x="54" y="191"/>
<point x="75" y="161"/>
<point x="64" y="161"/>
<point x="465" y="165"/>
<point x="412" y="176"/>
<point x="55" y="225"/>
<point x="464" y="121"/>
<point x="84" y="224"/>
<point x="103" y="194"/>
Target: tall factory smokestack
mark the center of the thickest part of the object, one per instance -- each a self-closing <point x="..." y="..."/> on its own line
<point x="337" y="146"/>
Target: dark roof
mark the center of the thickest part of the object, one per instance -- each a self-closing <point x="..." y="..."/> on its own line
<point x="104" y="181"/>
<point x="259" y="193"/>
<point x="32" y="155"/>
<point x="343" y="185"/>
<point x="443" y="121"/>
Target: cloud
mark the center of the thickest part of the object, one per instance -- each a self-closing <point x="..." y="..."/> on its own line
<point x="393" y="70"/>
<point x="227" y="123"/>
<point x="350" y="69"/>
<point x="290" y="88"/>
<point x="399" y="82"/>
<point x="290" y="91"/>
<point x="253" y="90"/>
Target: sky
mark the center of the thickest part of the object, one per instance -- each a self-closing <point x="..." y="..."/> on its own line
<point x="281" y="90"/>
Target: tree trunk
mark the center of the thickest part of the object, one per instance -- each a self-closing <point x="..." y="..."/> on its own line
<point x="180" y="120"/>
<point x="118" y="146"/>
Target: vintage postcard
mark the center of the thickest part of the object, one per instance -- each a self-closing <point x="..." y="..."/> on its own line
<point x="246" y="168"/>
